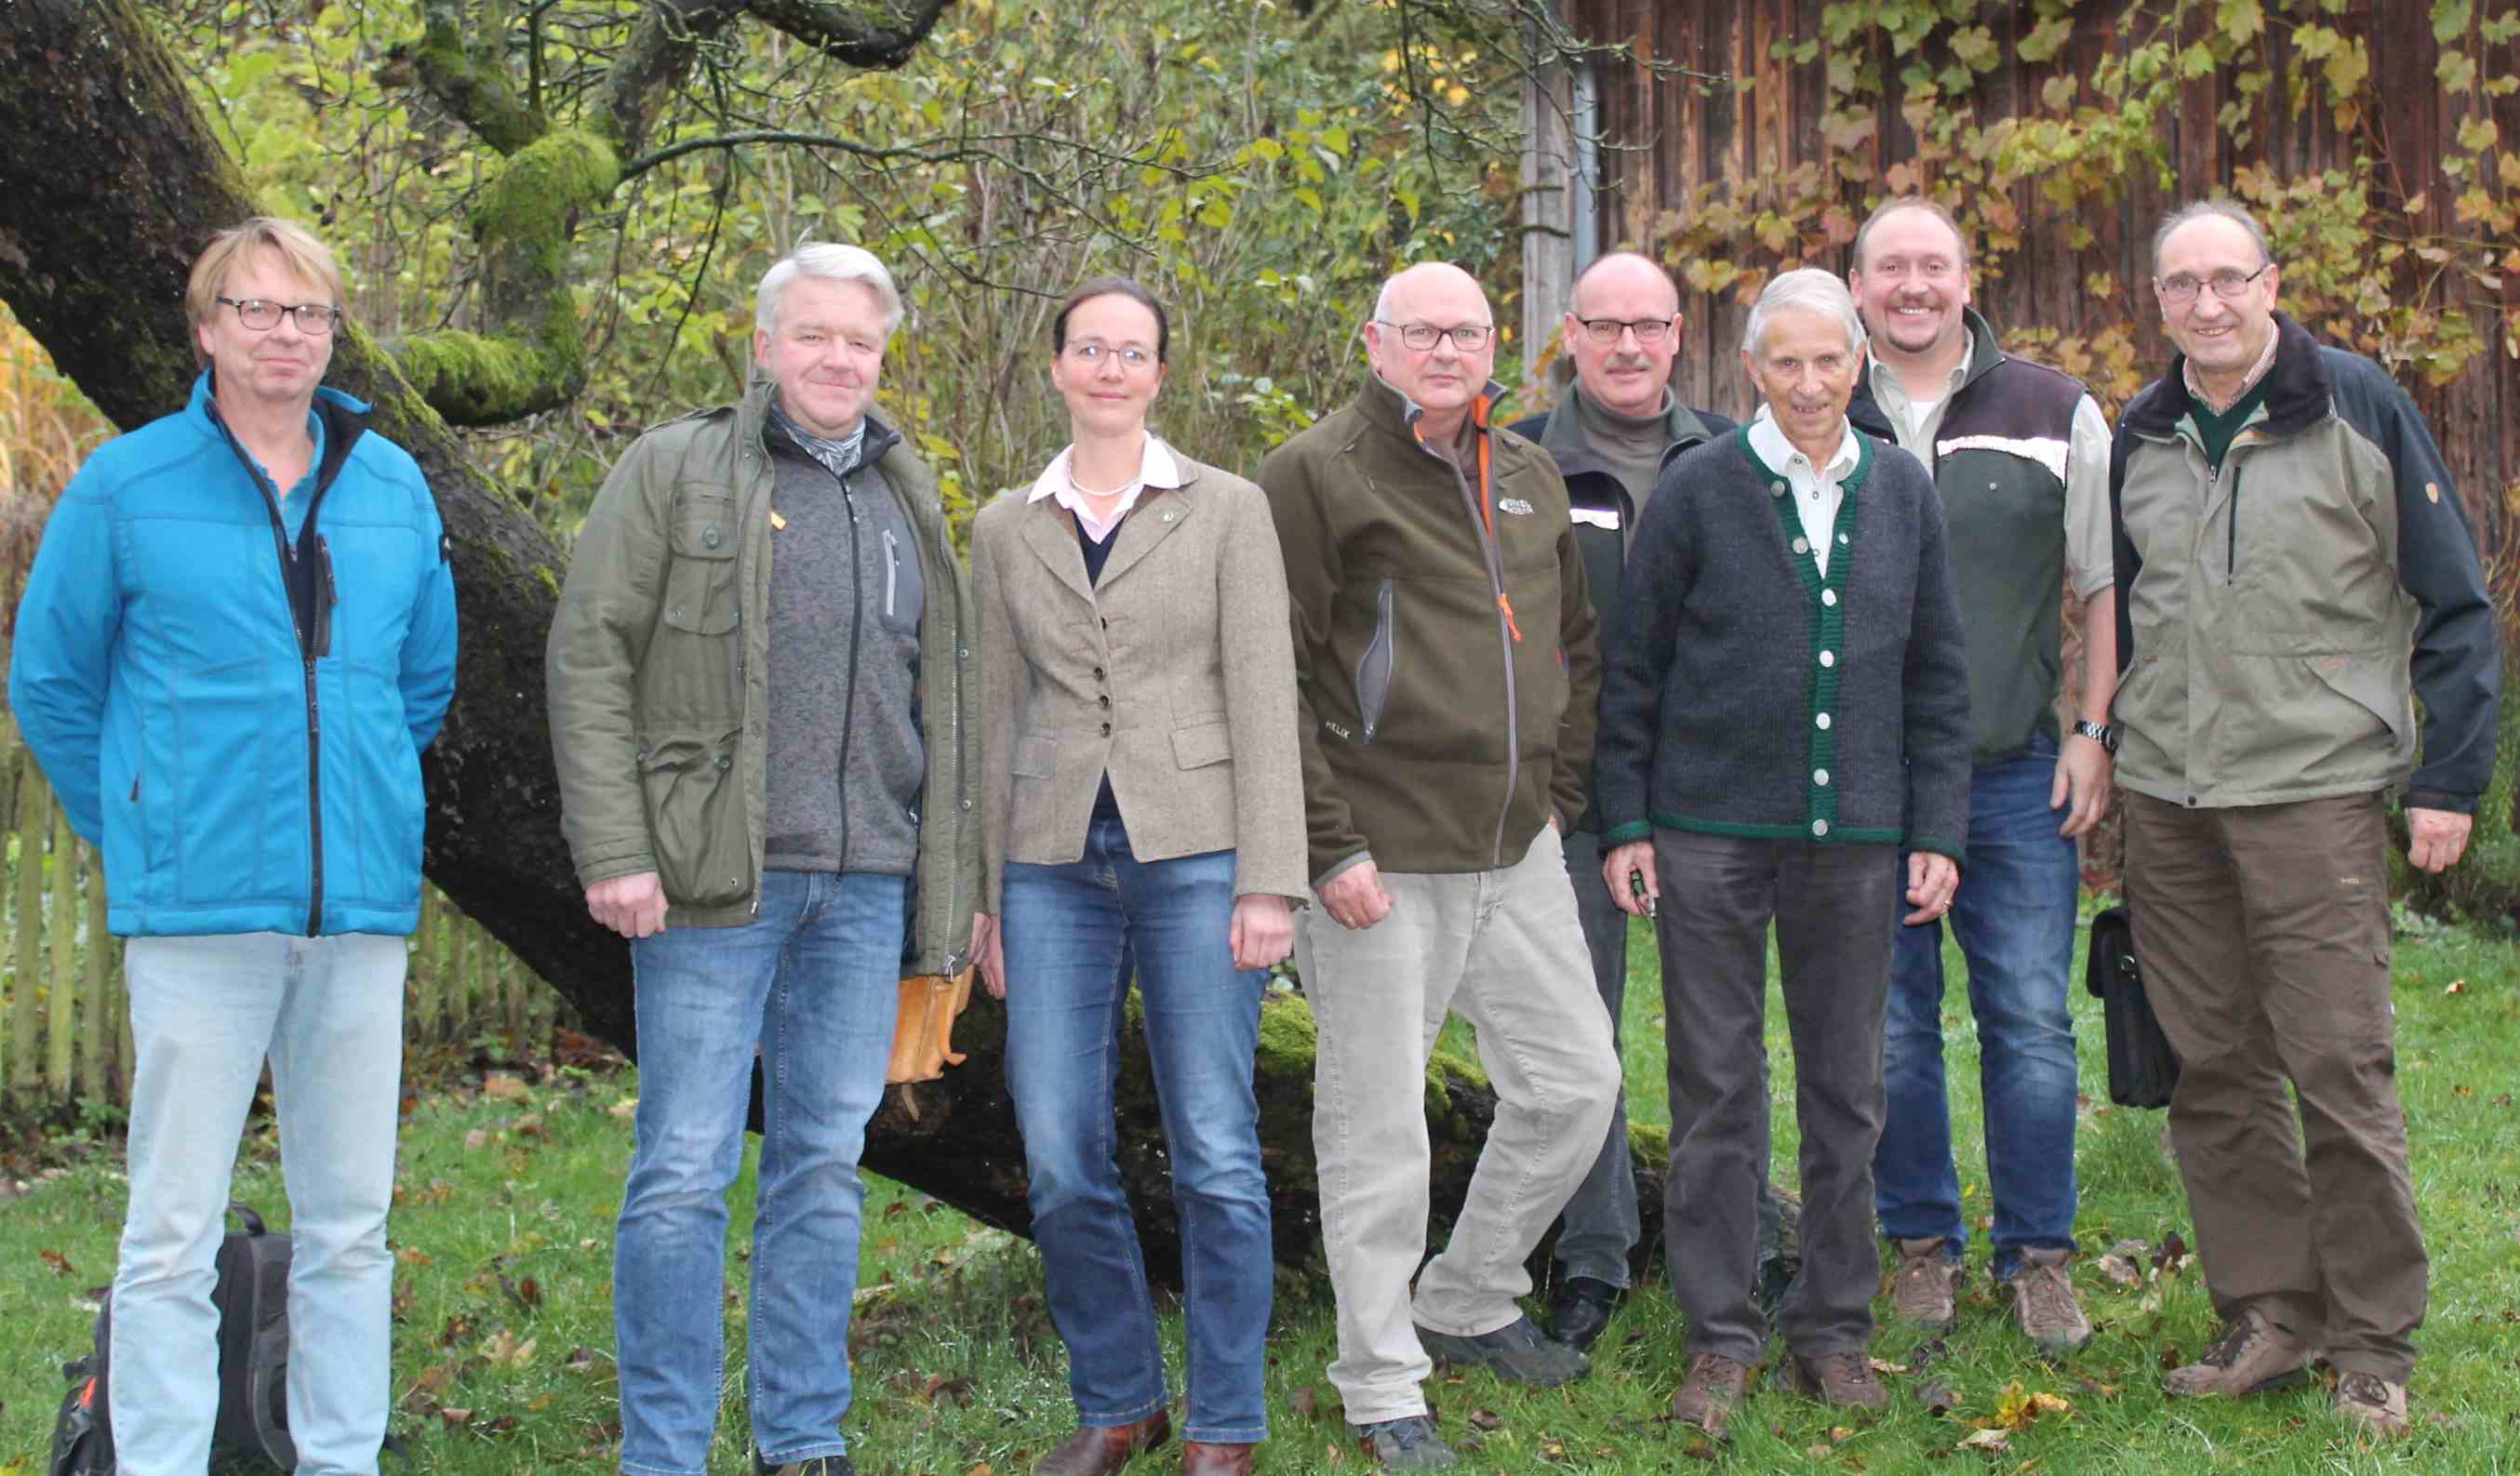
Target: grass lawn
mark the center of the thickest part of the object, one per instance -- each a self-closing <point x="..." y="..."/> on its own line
<point x="503" y="1234"/>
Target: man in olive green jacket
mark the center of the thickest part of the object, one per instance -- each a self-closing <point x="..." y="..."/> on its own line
<point x="1445" y="673"/>
<point x="761" y="701"/>
<point x="2294" y="570"/>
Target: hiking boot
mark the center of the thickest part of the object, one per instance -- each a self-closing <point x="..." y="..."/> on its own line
<point x="1923" y="1288"/>
<point x="1708" y="1397"/>
<point x="1516" y="1353"/>
<point x="1579" y="1309"/>
<point x="1832" y="1379"/>
<point x="1101" y="1449"/>
<point x="2044" y="1304"/>
<point x="1203" y="1457"/>
<point x="2251" y="1357"/>
<point x="2372" y="1403"/>
<point x="1406" y="1444"/>
<point x="818" y="1465"/>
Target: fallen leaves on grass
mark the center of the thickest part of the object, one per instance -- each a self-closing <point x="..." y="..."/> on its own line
<point x="60" y="1263"/>
<point x="2020" y="1409"/>
<point x="525" y="1293"/>
<point x="1991" y="1442"/>
<point x="504" y="1087"/>
<point x="503" y="1349"/>
<point x="1486" y="1420"/>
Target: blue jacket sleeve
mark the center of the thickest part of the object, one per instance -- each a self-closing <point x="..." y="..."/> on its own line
<point x="428" y="646"/>
<point x="68" y="621"/>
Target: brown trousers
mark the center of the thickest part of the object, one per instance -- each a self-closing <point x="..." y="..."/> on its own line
<point x="2263" y="932"/>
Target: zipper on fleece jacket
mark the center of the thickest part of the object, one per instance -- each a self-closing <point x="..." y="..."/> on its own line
<point x="1483" y="524"/>
<point x="305" y="581"/>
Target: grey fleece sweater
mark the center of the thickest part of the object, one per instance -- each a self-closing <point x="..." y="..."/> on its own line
<point x="1744" y="694"/>
<point x="846" y="757"/>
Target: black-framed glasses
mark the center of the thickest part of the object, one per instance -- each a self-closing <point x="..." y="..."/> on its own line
<point x="2228" y="285"/>
<point x="316" y="320"/>
<point x="1606" y="330"/>
<point x="1469" y="337"/>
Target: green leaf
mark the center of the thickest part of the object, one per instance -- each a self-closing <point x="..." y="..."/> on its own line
<point x="1312" y="198"/>
<point x="2046" y="39"/>
<point x="2241" y="20"/>
<point x="2456" y="70"/>
<point x="1975" y="47"/>
<point x="2450" y="18"/>
<point x="2478" y="134"/>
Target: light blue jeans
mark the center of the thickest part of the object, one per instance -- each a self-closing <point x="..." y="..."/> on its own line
<point x="1072" y="933"/>
<point x="204" y="1014"/>
<point x="814" y="981"/>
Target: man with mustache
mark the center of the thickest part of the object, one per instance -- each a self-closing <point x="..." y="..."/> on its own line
<point x="2293" y="569"/>
<point x="1612" y="434"/>
<point x="2021" y="455"/>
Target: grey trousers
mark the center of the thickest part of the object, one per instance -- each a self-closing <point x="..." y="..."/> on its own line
<point x="2263" y="931"/>
<point x="1831" y="906"/>
<point x="1601" y="1227"/>
<point x="1501" y="947"/>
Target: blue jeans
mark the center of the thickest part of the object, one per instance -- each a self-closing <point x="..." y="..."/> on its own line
<point x="1070" y="931"/>
<point x="2014" y="918"/>
<point x="814" y="981"/>
<point x="204" y="1014"/>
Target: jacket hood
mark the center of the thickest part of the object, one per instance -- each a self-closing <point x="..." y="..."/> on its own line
<point x="2299" y="394"/>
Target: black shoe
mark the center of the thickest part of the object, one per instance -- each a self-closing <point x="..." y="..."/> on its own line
<point x="819" y="1465"/>
<point x="1516" y="1353"/>
<point x="1579" y="1308"/>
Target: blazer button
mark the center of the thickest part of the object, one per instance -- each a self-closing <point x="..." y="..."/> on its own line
<point x="1104" y="699"/>
<point x="724" y="763"/>
<point x="1106" y="730"/>
<point x="1098" y="673"/>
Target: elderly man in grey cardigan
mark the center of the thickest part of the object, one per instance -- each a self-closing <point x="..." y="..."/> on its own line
<point x="1784" y="705"/>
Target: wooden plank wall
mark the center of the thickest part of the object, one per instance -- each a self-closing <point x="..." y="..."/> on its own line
<point x="1686" y="134"/>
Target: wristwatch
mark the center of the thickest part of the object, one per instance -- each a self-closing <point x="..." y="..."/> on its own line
<point x="2098" y="733"/>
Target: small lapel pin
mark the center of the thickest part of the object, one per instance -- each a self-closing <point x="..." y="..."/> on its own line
<point x="778" y="524"/>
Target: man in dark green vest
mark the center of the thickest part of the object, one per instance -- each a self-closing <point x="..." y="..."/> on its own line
<point x="2020" y="455"/>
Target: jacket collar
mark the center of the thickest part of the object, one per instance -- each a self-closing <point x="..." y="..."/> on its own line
<point x="345" y="418"/>
<point x="2299" y="394"/>
<point x="755" y="426"/>
<point x="1561" y="435"/>
<point x="1865" y="411"/>
<point x="1392" y="411"/>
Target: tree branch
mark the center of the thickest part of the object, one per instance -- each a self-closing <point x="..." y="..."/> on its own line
<point x="853" y="30"/>
<point x="469" y="81"/>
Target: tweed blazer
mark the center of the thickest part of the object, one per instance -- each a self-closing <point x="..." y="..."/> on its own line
<point x="1173" y="674"/>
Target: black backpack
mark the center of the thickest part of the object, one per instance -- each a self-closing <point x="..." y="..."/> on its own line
<point x="2142" y="1068"/>
<point x="251" y="1434"/>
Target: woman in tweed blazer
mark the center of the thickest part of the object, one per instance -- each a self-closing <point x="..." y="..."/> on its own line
<point x="1141" y="803"/>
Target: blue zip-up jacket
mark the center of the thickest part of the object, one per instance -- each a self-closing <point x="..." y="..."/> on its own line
<point x="233" y="715"/>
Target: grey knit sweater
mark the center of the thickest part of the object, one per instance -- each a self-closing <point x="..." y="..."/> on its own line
<point x="1743" y="693"/>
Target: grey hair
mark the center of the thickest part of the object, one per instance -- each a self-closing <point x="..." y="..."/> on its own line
<point x="2217" y="210"/>
<point x="833" y="262"/>
<point x="1811" y="290"/>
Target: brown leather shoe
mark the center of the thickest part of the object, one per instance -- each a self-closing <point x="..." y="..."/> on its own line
<point x="1100" y="1450"/>
<point x="1201" y="1459"/>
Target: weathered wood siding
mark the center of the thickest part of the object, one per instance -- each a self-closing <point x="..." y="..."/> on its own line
<point x="1687" y="134"/>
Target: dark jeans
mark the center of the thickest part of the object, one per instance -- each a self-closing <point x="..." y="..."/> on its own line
<point x="1070" y="930"/>
<point x="2014" y="918"/>
<point x="2263" y="932"/>
<point x="1830" y="905"/>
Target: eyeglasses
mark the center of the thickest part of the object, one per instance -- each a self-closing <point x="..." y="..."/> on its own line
<point x="1606" y="330"/>
<point x="1469" y="337"/>
<point x="2228" y="285"/>
<point x="314" y="319"/>
<point x="1092" y="355"/>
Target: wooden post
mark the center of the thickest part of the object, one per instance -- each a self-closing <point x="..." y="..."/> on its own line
<point x="63" y="939"/>
<point x="459" y="954"/>
<point x="96" y="1030"/>
<point x="28" y="920"/>
<point x="420" y="1009"/>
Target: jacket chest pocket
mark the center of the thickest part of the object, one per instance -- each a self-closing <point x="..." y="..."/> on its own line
<point x="701" y="595"/>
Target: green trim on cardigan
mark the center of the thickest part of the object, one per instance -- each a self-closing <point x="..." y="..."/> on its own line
<point x="1860" y="836"/>
<point x="1827" y="593"/>
<point x="1635" y="830"/>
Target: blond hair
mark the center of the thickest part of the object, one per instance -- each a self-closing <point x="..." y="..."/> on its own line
<point x="308" y="259"/>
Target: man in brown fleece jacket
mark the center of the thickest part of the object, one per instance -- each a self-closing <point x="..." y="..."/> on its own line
<point x="1445" y="679"/>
